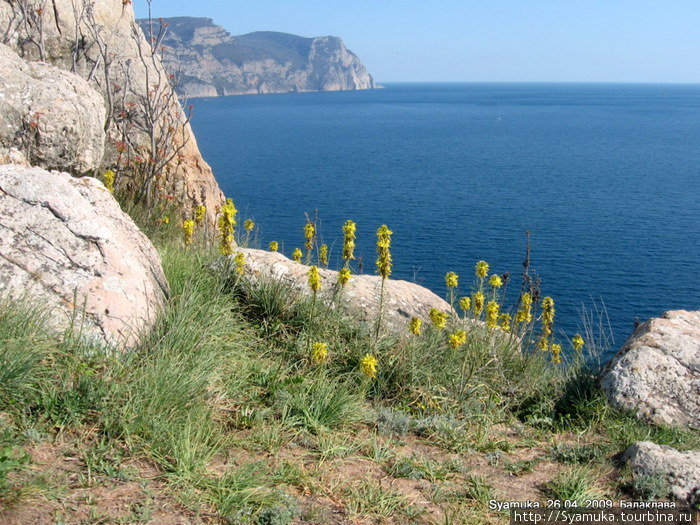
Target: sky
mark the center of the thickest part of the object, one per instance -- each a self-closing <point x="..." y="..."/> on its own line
<point x="483" y="40"/>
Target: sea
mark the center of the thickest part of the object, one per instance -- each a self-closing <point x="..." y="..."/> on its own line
<point x="604" y="177"/>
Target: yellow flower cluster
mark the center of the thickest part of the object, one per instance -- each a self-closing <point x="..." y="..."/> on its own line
<point x="349" y="229"/>
<point x="547" y="316"/>
<point x="310" y="236"/>
<point x="478" y="303"/>
<point x="465" y="303"/>
<point x="323" y="255"/>
<point x="524" y="314"/>
<point x="199" y="213"/>
<point x="438" y="318"/>
<point x="296" y="255"/>
<point x="165" y="220"/>
<point x="314" y="279"/>
<point x="344" y="276"/>
<point x="239" y="259"/>
<point x="492" y="314"/>
<point x="227" y="224"/>
<point x="368" y="365"/>
<point x="319" y="352"/>
<point x="383" y="249"/>
<point x="415" y="326"/>
<point x="578" y="342"/>
<point x="495" y="281"/>
<point x="504" y="322"/>
<point x="274" y="246"/>
<point x="556" y="354"/>
<point x="457" y="339"/>
<point x="452" y="280"/>
<point x="188" y="230"/>
<point x="482" y="269"/>
<point x="249" y="224"/>
<point x="109" y="180"/>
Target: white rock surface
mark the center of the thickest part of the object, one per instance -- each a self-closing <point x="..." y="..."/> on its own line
<point x="52" y="117"/>
<point x="681" y="469"/>
<point x="402" y="299"/>
<point x="657" y="371"/>
<point x="66" y="243"/>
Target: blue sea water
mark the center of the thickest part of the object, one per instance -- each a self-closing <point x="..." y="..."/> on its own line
<point x="606" y="177"/>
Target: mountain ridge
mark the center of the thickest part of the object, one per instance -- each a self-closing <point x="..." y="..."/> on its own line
<point x="210" y="61"/>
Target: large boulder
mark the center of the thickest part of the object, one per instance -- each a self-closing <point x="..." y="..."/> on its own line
<point x="81" y="36"/>
<point x="360" y="296"/>
<point x="65" y="242"/>
<point x="681" y="470"/>
<point x="657" y="371"/>
<point x="54" y="117"/>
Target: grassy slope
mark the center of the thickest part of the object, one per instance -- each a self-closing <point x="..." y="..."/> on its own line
<point x="221" y="416"/>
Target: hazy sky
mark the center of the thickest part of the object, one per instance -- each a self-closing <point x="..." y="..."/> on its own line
<point x="484" y="40"/>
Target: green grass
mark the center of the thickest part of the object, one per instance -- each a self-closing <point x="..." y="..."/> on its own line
<point x="227" y="366"/>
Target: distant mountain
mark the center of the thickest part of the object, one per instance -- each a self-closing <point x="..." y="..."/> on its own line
<point x="211" y="62"/>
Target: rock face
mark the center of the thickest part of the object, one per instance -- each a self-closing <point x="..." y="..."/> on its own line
<point x="402" y="300"/>
<point x="211" y="62"/>
<point x="53" y="117"/>
<point x="84" y="36"/>
<point x="657" y="371"/>
<point x="66" y="242"/>
<point x="681" y="469"/>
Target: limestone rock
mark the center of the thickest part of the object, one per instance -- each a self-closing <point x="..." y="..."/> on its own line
<point x="657" y="371"/>
<point x="212" y="62"/>
<point x="74" y="31"/>
<point x="402" y="299"/>
<point x="54" y="118"/>
<point x="681" y="469"/>
<point x="66" y="243"/>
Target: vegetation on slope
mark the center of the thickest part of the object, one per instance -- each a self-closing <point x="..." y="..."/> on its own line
<point x="224" y="413"/>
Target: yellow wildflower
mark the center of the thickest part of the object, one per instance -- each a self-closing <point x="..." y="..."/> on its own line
<point x="310" y="236"/>
<point x="438" y="318"/>
<point x="547" y="315"/>
<point x="323" y="255"/>
<point x="383" y="249"/>
<point x="344" y="276"/>
<point x="556" y="354"/>
<point x="543" y="344"/>
<point x="319" y="352"/>
<point x="457" y="339"/>
<point x="524" y="314"/>
<point x="239" y="259"/>
<point x="452" y="280"/>
<point x="249" y="224"/>
<point x="368" y="365"/>
<point x="274" y="246"/>
<point x="227" y="224"/>
<point x="492" y="313"/>
<point x="188" y="230"/>
<point x="296" y="255"/>
<point x="504" y="322"/>
<point x="478" y="303"/>
<point x="465" y="303"/>
<point x="166" y="220"/>
<point x="349" y="229"/>
<point x="495" y="281"/>
<point x="578" y="342"/>
<point x="109" y="180"/>
<point x="199" y="213"/>
<point x="482" y="269"/>
<point x="314" y="279"/>
<point x="415" y="326"/>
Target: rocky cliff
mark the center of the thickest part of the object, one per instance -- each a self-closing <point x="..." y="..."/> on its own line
<point x="100" y="42"/>
<point x="212" y="62"/>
